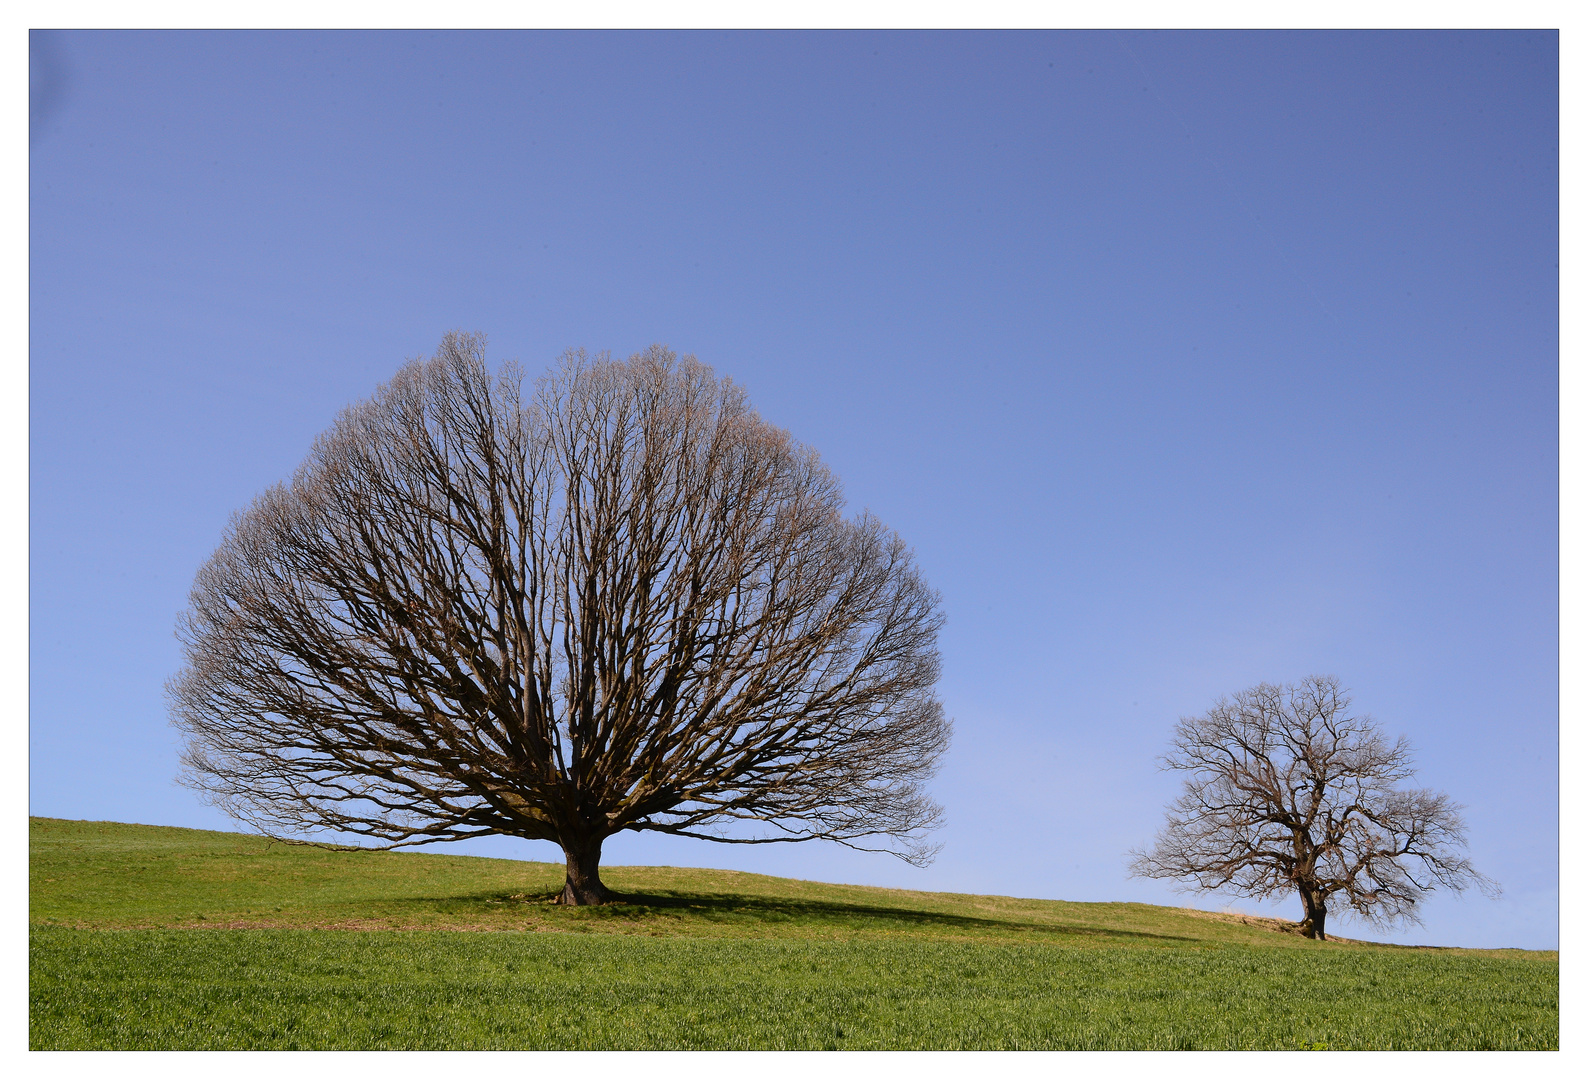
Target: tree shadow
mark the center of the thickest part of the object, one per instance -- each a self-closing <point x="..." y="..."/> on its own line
<point x="741" y="908"/>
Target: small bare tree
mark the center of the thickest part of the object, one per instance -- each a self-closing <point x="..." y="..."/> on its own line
<point x="1289" y="790"/>
<point x="620" y="602"/>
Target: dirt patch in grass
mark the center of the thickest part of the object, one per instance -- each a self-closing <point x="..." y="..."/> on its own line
<point x="1262" y="922"/>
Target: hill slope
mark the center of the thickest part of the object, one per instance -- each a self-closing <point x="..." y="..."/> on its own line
<point x="157" y="938"/>
<point x="108" y="875"/>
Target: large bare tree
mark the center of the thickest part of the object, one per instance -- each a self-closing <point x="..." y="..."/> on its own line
<point x="615" y="600"/>
<point x="1289" y="790"/>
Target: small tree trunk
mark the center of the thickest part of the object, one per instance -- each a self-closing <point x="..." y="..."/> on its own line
<point x="584" y="875"/>
<point x="1312" y="902"/>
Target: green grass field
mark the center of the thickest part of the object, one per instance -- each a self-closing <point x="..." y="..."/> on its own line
<point x="157" y="938"/>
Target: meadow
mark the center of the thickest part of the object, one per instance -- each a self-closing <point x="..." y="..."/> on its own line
<point x="144" y="937"/>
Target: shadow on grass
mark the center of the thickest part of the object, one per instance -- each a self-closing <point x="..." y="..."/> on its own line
<point x="747" y="910"/>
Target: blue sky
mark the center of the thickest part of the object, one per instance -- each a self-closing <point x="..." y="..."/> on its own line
<point x="1184" y="361"/>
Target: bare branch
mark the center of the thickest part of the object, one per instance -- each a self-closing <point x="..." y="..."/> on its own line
<point x="621" y="601"/>
<point x="1287" y="790"/>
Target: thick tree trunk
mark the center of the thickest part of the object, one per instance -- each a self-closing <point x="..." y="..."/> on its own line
<point x="584" y="875"/>
<point x="1312" y="902"/>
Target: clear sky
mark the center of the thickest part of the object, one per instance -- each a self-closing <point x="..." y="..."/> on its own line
<point x="1184" y="362"/>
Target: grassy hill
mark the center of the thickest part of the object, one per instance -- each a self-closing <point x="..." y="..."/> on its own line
<point x="105" y="875"/>
<point x="153" y="937"/>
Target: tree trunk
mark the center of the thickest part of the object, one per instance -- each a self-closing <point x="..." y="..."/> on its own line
<point x="584" y="875"/>
<point x="1312" y="902"/>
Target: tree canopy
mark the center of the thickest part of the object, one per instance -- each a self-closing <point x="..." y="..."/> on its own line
<point x="1287" y="789"/>
<point x="617" y="600"/>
